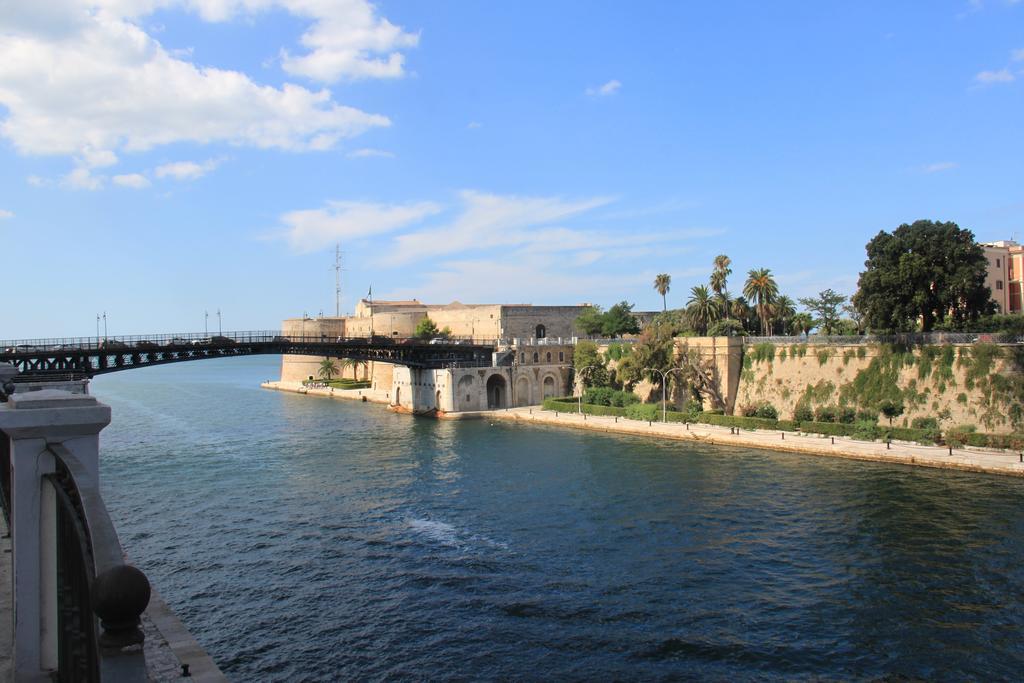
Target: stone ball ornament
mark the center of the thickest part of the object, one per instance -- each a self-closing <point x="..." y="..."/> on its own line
<point x="120" y="595"/>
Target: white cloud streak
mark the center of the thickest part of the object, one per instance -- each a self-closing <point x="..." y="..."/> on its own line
<point x="186" y="170"/>
<point x="993" y="77"/>
<point x="312" y="229"/>
<point x="939" y="166"/>
<point x="135" y="181"/>
<point x="609" y="88"/>
<point x="5" y="214"/>
<point x="368" y="153"/>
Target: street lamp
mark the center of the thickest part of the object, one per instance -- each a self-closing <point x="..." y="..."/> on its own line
<point x="579" y="372"/>
<point x="664" y="383"/>
<point x="220" y="330"/>
<point x="206" y="323"/>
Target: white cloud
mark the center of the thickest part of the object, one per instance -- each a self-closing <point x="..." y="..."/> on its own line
<point x="344" y="42"/>
<point x="1017" y="55"/>
<point x="82" y="78"/>
<point x="939" y="166"/>
<point x="368" y="152"/>
<point x="136" y="181"/>
<point x="36" y="181"/>
<point x="991" y="77"/>
<point x="4" y="213"/>
<point x="474" y="124"/>
<point x="609" y="88"/>
<point x="311" y="229"/>
<point x="488" y="220"/>
<point x="82" y="179"/>
<point x="186" y="170"/>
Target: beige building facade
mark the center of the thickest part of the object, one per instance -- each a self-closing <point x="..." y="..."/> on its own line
<point x="1005" y="261"/>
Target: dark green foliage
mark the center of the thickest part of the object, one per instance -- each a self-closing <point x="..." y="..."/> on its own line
<point x="426" y="328"/>
<point x="823" y="356"/>
<point x="846" y="415"/>
<point x="926" y="436"/>
<point x="589" y="365"/>
<point x="825" y="414"/>
<point x="606" y="396"/>
<point x="891" y="409"/>
<point x="619" y="320"/>
<point x="827" y="428"/>
<point x="590" y="321"/>
<point x="643" y="411"/>
<point x="865" y="430"/>
<point x="926" y="271"/>
<point x="924" y="423"/>
<point x="736" y="421"/>
<point x="867" y="415"/>
<point x="803" y="413"/>
<point x="767" y="411"/>
<point x="726" y="328"/>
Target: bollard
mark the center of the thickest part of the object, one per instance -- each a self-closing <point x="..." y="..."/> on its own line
<point x="1022" y="457"/>
<point x="584" y="417"/>
<point x="185" y="673"/>
<point x="833" y="441"/>
<point x="951" y="450"/>
<point x="888" y="445"/>
<point x="531" y="411"/>
<point x="616" y="419"/>
<point x="648" y="423"/>
<point x="687" y="426"/>
<point x="783" y="436"/>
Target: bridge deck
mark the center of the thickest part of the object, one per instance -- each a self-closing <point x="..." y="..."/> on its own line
<point x="85" y="357"/>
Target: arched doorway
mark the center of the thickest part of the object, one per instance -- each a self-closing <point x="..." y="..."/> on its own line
<point x="549" y="386"/>
<point x="398" y="396"/>
<point x="497" y="391"/>
<point x="540" y="332"/>
<point x="522" y="392"/>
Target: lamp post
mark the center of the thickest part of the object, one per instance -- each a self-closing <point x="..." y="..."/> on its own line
<point x="664" y="384"/>
<point x="579" y="372"/>
<point x="206" y="323"/>
<point x="220" y="330"/>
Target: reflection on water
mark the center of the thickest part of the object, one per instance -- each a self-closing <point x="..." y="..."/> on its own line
<point x="304" y="538"/>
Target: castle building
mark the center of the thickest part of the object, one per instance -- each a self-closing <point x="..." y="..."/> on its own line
<point x="1005" y="277"/>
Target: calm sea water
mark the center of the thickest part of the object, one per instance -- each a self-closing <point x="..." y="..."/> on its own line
<point x="310" y="539"/>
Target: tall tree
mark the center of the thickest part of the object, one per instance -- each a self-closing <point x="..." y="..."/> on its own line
<point x="663" y="283"/>
<point x="720" y="280"/>
<point x="589" y="365"/>
<point x="782" y="312"/>
<point x="801" y="323"/>
<point x="923" y="273"/>
<point x="826" y="307"/>
<point x="327" y="369"/>
<point x="701" y="308"/>
<point x="426" y="328"/>
<point x="619" y="320"/>
<point x="590" y="321"/>
<point x="761" y="289"/>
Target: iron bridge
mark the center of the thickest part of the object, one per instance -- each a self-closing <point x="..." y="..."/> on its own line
<point x="85" y="357"/>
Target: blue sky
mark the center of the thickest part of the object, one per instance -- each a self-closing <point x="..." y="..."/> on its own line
<point x="160" y="158"/>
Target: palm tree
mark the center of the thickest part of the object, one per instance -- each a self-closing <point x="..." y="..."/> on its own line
<point x="802" y="323"/>
<point x="327" y="369"/>
<point x="701" y="308"/>
<point x="355" y="365"/>
<point x="761" y="289"/>
<point x="783" y="311"/>
<point x="662" y="283"/>
<point x="719" y="281"/>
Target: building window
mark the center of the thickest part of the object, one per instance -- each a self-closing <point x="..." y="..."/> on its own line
<point x="536" y="357"/>
<point x="998" y="264"/>
<point x="548" y="357"/>
<point x="522" y="357"/>
<point x="541" y="332"/>
<point x="999" y="284"/>
<point x="561" y="356"/>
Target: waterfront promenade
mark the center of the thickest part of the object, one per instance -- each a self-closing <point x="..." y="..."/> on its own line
<point x="904" y="453"/>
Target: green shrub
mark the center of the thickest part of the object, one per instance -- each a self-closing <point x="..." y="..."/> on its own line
<point x="846" y="415"/>
<point x="824" y="414"/>
<point x="803" y="413"/>
<point x="787" y="426"/>
<point x="643" y="411"/>
<point x="865" y="430"/>
<point x="867" y="416"/>
<point x="736" y="421"/>
<point x="598" y="396"/>
<point x="924" y="423"/>
<point x="827" y="428"/>
<point x="925" y="436"/>
<point x="767" y="411"/>
<point x="764" y="351"/>
<point x="622" y="399"/>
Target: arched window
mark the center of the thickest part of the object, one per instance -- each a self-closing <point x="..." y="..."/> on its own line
<point x="548" y="358"/>
<point x="522" y="357"/>
<point x="540" y="332"/>
<point x="561" y="356"/>
<point x="536" y="357"/>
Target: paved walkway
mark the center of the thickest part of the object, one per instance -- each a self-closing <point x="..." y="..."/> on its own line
<point x="369" y="395"/>
<point x="968" y="459"/>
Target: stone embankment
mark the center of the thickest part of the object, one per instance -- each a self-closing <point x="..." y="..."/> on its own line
<point x="966" y="459"/>
<point x="368" y="395"/>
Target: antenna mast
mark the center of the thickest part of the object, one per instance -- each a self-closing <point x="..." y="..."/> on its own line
<point x="337" y="280"/>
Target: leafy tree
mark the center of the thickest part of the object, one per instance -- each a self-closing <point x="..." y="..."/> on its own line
<point x="676" y="321"/>
<point x="742" y="312"/>
<point x="327" y="369"/>
<point x="355" y="365"/>
<point x="590" y="321"/>
<point x="662" y="283"/>
<point x="726" y="328"/>
<point x="826" y="306"/>
<point x="762" y="290"/>
<point x="924" y="272"/>
<point x="589" y="365"/>
<point x="619" y="320"/>
<point x="701" y="308"/>
<point x="426" y="328"/>
<point x="655" y="350"/>
<point x="891" y="409"/>
<point x="445" y="332"/>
